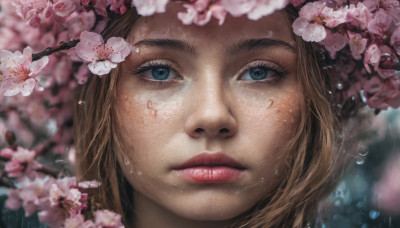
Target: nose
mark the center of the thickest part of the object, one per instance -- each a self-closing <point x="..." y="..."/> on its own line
<point x="211" y="115"/>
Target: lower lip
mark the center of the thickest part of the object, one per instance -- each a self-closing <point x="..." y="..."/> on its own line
<point x="219" y="174"/>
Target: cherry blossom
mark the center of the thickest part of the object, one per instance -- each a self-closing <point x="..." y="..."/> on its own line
<point x="200" y="13"/>
<point x="255" y="9"/>
<point x="103" y="57"/>
<point x="314" y="16"/>
<point x="19" y="71"/>
<point x="149" y="7"/>
<point x="357" y="45"/>
<point x="107" y="218"/>
<point x="395" y="40"/>
<point x="372" y="56"/>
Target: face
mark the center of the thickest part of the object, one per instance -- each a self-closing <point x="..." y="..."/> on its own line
<point x="206" y="112"/>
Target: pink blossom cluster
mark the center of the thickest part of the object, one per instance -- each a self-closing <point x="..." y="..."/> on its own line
<point x="367" y="30"/>
<point x="21" y="162"/>
<point x="61" y="202"/>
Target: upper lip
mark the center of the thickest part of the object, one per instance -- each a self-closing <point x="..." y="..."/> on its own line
<point x="211" y="159"/>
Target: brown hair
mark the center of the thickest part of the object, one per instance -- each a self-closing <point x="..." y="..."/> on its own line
<point x="314" y="168"/>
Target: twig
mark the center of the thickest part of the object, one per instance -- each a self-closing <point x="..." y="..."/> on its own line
<point x="49" y="51"/>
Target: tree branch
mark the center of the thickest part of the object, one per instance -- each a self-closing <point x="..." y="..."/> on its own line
<point x="49" y="51"/>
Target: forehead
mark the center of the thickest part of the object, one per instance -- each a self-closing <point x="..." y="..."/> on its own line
<point x="167" y="25"/>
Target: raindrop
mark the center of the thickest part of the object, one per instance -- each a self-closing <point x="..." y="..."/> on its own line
<point x="364" y="153"/>
<point x="360" y="161"/>
<point x="373" y="214"/>
<point x="81" y="102"/>
<point x="139" y="173"/>
<point x="149" y="104"/>
<point x="339" y="85"/>
<point x="137" y="50"/>
<point x="360" y="204"/>
<point x="330" y="92"/>
<point x="126" y="161"/>
<point x="276" y="172"/>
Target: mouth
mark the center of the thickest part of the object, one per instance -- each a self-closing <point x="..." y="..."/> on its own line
<point x="210" y="168"/>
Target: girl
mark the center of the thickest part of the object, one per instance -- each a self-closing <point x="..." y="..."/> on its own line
<point x="210" y="126"/>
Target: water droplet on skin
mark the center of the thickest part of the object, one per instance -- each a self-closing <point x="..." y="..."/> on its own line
<point x="270" y="103"/>
<point x="126" y="161"/>
<point x="276" y="172"/>
<point x="81" y="102"/>
<point x="149" y="104"/>
<point x="154" y="112"/>
<point x="139" y="173"/>
<point x="373" y="214"/>
<point x="262" y="179"/>
<point x="131" y="171"/>
<point x="137" y="50"/>
<point x="284" y="121"/>
<point x="339" y="85"/>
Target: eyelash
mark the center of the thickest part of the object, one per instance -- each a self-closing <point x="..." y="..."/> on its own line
<point x="280" y="72"/>
<point x="152" y="65"/>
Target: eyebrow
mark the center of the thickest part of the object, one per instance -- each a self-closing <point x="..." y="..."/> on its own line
<point x="251" y="44"/>
<point x="178" y="45"/>
<point x="244" y="45"/>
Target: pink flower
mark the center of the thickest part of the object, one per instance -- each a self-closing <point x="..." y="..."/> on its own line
<point x="200" y="13"/>
<point x="149" y="7"/>
<point x="89" y="184"/>
<point x="372" y="56"/>
<point x="255" y="9"/>
<point x="103" y="57"/>
<point x="63" y="8"/>
<point x="395" y="40"/>
<point x="359" y="15"/>
<point x="78" y="221"/>
<point x="296" y="3"/>
<point x="19" y="71"/>
<point x="357" y="44"/>
<point x="13" y="202"/>
<point x="14" y="168"/>
<point x="380" y="23"/>
<point x="382" y="93"/>
<point x="107" y="218"/>
<point x="118" y="6"/>
<point x="334" y="42"/>
<point x="314" y="16"/>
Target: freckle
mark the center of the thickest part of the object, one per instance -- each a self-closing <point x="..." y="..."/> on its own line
<point x="154" y="112"/>
<point x="149" y="104"/>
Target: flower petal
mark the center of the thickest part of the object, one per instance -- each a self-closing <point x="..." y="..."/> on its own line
<point x="121" y="49"/>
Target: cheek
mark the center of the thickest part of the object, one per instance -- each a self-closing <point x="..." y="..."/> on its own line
<point x="142" y="114"/>
<point x="278" y="114"/>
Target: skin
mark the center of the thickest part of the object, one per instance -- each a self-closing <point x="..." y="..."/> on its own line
<point x="209" y="104"/>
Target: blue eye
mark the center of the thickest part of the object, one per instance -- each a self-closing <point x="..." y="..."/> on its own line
<point x="160" y="73"/>
<point x="262" y="73"/>
<point x="258" y="73"/>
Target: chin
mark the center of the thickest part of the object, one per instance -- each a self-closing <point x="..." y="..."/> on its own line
<point x="214" y="208"/>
